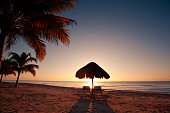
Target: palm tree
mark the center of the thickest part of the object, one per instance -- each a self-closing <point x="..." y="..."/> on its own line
<point x="7" y="68"/>
<point x="36" y="21"/>
<point x="21" y="63"/>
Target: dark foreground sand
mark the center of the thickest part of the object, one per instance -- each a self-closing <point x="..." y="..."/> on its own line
<point x="50" y="99"/>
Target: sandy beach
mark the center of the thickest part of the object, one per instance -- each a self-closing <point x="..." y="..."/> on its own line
<point x="51" y="99"/>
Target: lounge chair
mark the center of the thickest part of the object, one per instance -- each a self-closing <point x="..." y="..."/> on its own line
<point x="86" y="88"/>
<point x="98" y="89"/>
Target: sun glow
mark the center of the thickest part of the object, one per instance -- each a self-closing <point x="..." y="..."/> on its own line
<point x="90" y="82"/>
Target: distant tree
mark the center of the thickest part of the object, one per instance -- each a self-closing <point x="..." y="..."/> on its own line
<point x="6" y="68"/>
<point x="35" y="21"/>
<point x="21" y="64"/>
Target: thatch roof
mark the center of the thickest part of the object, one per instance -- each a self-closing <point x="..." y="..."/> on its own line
<point x="92" y="70"/>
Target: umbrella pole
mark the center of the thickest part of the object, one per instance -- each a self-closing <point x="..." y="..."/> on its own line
<point x="92" y="87"/>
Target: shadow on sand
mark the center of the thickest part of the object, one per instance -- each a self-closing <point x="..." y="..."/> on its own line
<point x="6" y="85"/>
<point x="87" y="104"/>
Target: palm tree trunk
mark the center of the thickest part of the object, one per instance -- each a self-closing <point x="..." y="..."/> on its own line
<point x="1" y="78"/>
<point x="2" y="41"/>
<point x="17" y="79"/>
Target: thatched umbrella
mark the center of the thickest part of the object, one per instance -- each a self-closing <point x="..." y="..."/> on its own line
<point x="92" y="70"/>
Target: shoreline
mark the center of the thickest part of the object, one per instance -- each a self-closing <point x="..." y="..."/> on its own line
<point x="106" y="89"/>
<point x="46" y="98"/>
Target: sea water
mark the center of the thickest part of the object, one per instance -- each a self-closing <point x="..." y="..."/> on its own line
<point x="146" y="86"/>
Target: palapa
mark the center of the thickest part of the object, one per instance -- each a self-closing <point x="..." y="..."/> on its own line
<point x="92" y="70"/>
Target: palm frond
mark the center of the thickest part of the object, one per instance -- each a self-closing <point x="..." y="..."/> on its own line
<point x="58" y="6"/>
<point x="7" y="67"/>
<point x="31" y="59"/>
<point x="24" y="56"/>
<point x="22" y="66"/>
<point x="50" y="27"/>
<point x="15" y="32"/>
<point x="29" y="19"/>
<point x="38" y="46"/>
<point x="43" y="6"/>
<point x="33" y="72"/>
<point x="14" y="65"/>
<point x="11" y="40"/>
<point x="14" y="56"/>
<point x="30" y="68"/>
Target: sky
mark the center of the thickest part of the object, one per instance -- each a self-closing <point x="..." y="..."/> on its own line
<point x="129" y="39"/>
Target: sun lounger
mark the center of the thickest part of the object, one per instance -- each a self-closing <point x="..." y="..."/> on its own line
<point x="98" y="89"/>
<point x="86" y="88"/>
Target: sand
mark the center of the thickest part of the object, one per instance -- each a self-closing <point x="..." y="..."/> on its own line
<point x="34" y="98"/>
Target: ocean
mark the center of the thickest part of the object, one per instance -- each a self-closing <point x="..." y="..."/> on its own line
<point x="145" y="86"/>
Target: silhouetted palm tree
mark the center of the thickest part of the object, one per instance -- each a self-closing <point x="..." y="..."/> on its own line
<point x="36" y="21"/>
<point x="21" y="64"/>
<point x="6" y="68"/>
